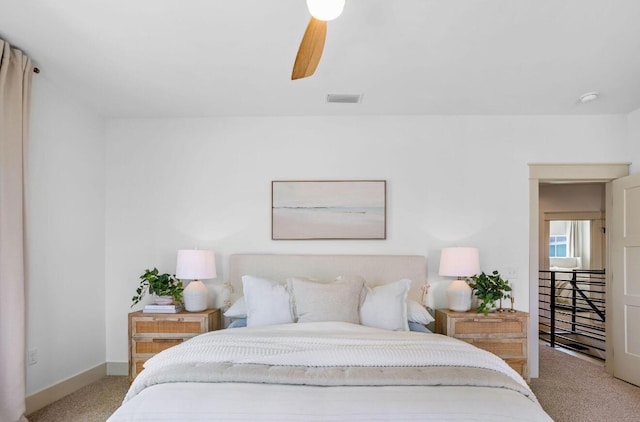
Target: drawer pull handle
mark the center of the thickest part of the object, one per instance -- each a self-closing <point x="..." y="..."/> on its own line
<point x="169" y="319"/>
<point x="167" y="340"/>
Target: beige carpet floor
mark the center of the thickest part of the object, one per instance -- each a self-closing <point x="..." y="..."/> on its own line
<point x="93" y="403"/>
<point x="570" y="389"/>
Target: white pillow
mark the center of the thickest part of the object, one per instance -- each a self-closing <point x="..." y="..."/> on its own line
<point x="238" y="309"/>
<point x="385" y="306"/>
<point x="267" y="302"/>
<point x="333" y="301"/>
<point x="418" y="313"/>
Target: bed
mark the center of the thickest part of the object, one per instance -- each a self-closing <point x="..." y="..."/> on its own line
<point x="341" y="351"/>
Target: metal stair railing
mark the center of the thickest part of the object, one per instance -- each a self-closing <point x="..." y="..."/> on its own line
<point x="572" y="310"/>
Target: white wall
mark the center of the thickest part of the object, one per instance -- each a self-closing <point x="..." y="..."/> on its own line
<point x="633" y="139"/>
<point x="571" y="197"/>
<point x="558" y="228"/>
<point x="65" y="237"/>
<point x="460" y="180"/>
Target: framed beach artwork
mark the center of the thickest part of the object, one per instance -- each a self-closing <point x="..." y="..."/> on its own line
<point x="328" y="209"/>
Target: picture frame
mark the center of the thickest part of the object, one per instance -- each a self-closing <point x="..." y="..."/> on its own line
<point x="328" y="209"/>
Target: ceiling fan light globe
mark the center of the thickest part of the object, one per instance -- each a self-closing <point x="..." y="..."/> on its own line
<point x="325" y="10"/>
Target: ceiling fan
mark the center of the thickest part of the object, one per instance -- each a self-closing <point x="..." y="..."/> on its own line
<point x="312" y="43"/>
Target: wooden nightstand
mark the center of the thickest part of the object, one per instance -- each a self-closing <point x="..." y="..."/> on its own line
<point x="501" y="333"/>
<point x="152" y="333"/>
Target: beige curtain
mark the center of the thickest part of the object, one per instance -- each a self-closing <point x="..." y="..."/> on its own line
<point x="579" y="244"/>
<point x="15" y="86"/>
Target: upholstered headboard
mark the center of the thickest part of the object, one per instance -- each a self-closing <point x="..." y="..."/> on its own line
<point x="376" y="269"/>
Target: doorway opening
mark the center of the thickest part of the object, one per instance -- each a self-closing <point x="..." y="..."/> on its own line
<point x="541" y="175"/>
<point x="572" y="287"/>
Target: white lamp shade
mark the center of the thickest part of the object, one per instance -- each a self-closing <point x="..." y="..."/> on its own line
<point x="459" y="262"/>
<point x="325" y="10"/>
<point x="194" y="264"/>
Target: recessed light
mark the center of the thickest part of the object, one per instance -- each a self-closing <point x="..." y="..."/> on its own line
<point x="589" y="96"/>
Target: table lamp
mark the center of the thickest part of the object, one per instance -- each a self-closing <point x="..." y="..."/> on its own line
<point x="195" y="265"/>
<point x="459" y="262"/>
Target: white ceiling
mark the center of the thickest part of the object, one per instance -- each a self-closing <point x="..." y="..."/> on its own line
<point x="157" y="58"/>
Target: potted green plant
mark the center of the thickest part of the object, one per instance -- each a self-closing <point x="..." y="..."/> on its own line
<point x="165" y="287"/>
<point x="489" y="288"/>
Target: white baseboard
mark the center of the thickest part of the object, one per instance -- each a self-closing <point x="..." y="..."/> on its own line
<point x="118" y="368"/>
<point x="47" y="396"/>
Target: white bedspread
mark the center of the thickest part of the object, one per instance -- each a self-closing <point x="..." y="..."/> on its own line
<point x="325" y="347"/>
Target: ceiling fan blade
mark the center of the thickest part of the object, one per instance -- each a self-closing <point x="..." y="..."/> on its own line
<point x="310" y="49"/>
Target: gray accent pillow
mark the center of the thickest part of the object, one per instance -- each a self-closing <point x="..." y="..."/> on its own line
<point x="314" y="301"/>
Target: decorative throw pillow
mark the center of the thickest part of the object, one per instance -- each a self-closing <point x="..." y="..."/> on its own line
<point x="414" y="326"/>
<point x="267" y="302"/>
<point x="333" y="301"/>
<point x="385" y="306"/>
<point x="238" y="309"/>
<point x="418" y="313"/>
<point x="242" y="322"/>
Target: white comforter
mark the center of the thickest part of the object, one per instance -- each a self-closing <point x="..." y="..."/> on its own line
<point x="351" y="372"/>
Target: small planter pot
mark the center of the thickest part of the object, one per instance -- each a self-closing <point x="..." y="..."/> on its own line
<point x="476" y="302"/>
<point x="162" y="300"/>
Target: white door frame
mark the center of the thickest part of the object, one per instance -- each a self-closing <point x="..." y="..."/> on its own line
<point x="578" y="173"/>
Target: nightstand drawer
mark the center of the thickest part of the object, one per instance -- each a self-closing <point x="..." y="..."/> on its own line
<point x="502" y="347"/>
<point x="153" y="345"/>
<point x="488" y="325"/>
<point x="166" y="325"/>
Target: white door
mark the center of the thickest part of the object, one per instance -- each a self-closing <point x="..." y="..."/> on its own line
<point x="625" y="278"/>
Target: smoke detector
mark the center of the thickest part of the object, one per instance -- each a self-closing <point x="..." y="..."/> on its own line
<point x="589" y="97"/>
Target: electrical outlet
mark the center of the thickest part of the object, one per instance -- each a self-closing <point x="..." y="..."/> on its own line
<point x="32" y="357"/>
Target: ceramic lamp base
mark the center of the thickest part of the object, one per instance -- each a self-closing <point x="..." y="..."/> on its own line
<point x="459" y="296"/>
<point x="195" y="296"/>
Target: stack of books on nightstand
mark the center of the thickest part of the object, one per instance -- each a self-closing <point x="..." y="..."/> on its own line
<point x="162" y="309"/>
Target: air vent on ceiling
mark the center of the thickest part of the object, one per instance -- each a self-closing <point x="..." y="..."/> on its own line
<point x="344" y="98"/>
